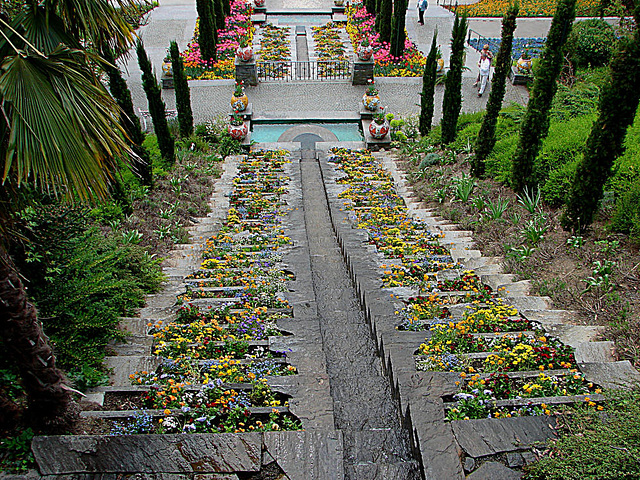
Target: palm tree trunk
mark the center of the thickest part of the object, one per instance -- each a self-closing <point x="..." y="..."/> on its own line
<point x="50" y="405"/>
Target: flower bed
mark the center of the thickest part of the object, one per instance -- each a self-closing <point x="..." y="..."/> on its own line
<point x="532" y="46"/>
<point x="514" y="368"/>
<point x="360" y="26"/>
<point x="216" y="356"/>
<point x="528" y="8"/>
<point x="238" y="26"/>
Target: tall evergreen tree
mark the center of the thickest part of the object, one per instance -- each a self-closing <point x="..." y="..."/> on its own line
<point x="156" y="105"/>
<point x="218" y="7"/>
<point x="398" y="34"/>
<point x="453" y="85"/>
<point x="207" y="30"/>
<point x="429" y="87"/>
<point x="370" y="5"/>
<point x="535" y="125"/>
<point x="181" y="87"/>
<point x="227" y="7"/>
<point x="378" y="14"/>
<point x="384" y="26"/>
<point x="619" y="100"/>
<point x="487" y="134"/>
<point x="128" y="119"/>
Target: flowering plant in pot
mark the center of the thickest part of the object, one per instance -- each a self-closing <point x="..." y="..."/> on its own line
<point x="239" y="99"/>
<point x="371" y="98"/>
<point x="379" y="127"/>
<point x="167" y="67"/>
<point x="237" y="128"/>
<point x="524" y="63"/>
<point x="364" y="50"/>
<point x="244" y="53"/>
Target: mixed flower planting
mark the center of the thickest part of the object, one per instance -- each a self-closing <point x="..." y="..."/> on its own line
<point x="528" y="8"/>
<point x="216" y="357"/>
<point x="238" y="27"/>
<point x="360" y="26"/>
<point x="274" y="47"/>
<point x="530" y="46"/>
<point x="506" y="364"/>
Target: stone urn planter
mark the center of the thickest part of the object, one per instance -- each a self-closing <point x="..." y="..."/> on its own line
<point x="371" y="99"/>
<point x="259" y="3"/>
<point x="237" y="128"/>
<point x="244" y="53"/>
<point x="239" y="99"/>
<point x="167" y="68"/>
<point x="379" y="128"/>
<point x="364" y="52"/>
<point x="338" y="3"/>
<point x="439" y="66"/>
<point x="523" y="66"/>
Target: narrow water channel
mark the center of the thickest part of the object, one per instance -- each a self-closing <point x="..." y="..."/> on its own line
<point x="375" y="445"/>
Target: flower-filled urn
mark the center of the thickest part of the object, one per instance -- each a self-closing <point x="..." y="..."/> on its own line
<point x="239" y="99"/>
<point x="371" y="98"/>
<point x="237" y="128"/>
<point x="524" y="64"/>
<point x="244" y="52"/>
<point x="259" y="3"/>
<point x="364" y="51"/>
<point x="379" y="126"/>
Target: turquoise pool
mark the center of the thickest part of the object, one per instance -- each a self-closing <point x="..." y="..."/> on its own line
<point x="346" y="132"/>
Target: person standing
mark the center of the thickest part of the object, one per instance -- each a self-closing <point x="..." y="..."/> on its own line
<point x="485" y="67"/>
<point x="422" y="6"/>
<point x="485" y="52"/>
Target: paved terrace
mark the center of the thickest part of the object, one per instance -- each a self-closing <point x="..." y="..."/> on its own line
<point x="175" y="19"/>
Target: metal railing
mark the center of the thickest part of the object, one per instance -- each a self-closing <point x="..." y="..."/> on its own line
<point x="475" y="40"/>
<point x="305" y="70"/>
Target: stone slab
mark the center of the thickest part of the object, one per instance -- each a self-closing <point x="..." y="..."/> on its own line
<point x="202" y="453"/>
<point x="592" y="352"/>
<point x="494" y="471"/>
<point x="612" y="374"/>
<point x="306" y="455"/>
<point x="479" y="438"/>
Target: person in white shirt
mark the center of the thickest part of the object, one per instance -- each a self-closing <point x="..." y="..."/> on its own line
<point x="485" y="67"/>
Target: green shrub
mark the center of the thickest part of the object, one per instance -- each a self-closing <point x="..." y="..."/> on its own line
<point x="568" y="103"/>
<point x="82" y="281"/>
<point x="466" y="138"/>
<point x="626" y="170"/>
<point x="429" y="160"/>
<point x="626" y="218"/>
<point x="556" y="188"/>
<point x="591" y="42"/>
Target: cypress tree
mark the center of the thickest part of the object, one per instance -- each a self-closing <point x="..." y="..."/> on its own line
<point x="535" y="125"/>
<point x="156" y="105"/>
<point x="398" y="35"/>
<point x="183" y="97"/>
<point x="207" y="30"/>
<point x="378" y="14"/>
<point x="487" y="134"/>
<point x="384" y="27"/>
<point x="453" y="85"/>
<point x="619" y="100"/>
<point x="227" y="7"/>
<point x="370" y="5"/>
<point x="128" y="119"/>
<point x="428" y="87"/>
<point x="218" y="7"/>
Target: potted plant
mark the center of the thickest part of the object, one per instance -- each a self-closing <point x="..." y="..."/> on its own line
<point x="371" y="98"/>
<point x="364" y="50"/>
<point x="167" y="68"/>
<point x="244" y="52"/>
<point x="379" y="126"/>
<point x="338" y="3"/>
<point x="259" y="3"/>
<point x="523" y="65"/>
<point x="439" y="62"/>
<point x="237" y="128"/>
<point x="239" y="99"/>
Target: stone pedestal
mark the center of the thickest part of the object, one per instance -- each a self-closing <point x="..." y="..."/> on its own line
<point x="519" y="79"/>
<point x="167" y="82"/>
<point x="366" y="114"/>
<point x="246" y="72"/>
<point x="362" y="72"/>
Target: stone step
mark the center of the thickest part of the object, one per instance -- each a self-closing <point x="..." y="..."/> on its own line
<point x="408" y="470"/>
<point x="595" y="352"/>
<point x="374" y="446"/>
